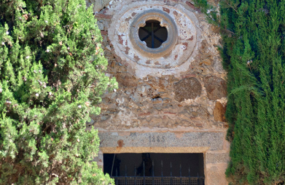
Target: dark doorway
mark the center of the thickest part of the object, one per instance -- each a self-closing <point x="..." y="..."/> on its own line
<point x="162" y="168"/>
<point x="153" y="34"/>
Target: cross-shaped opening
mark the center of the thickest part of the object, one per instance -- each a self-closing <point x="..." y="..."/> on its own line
<point x="153" y="34"/>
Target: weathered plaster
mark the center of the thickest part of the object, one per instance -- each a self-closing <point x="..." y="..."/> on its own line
<point x="183" y="103"/>
<point x="173" y="63"/>
<point x="194" y="99"/>
<point x="215" y="174"/>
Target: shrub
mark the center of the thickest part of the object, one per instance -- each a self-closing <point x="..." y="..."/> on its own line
<point x="253" y="52"/>
<point x="51" y="79"/>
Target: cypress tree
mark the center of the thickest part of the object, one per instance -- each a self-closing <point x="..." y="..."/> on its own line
<point x="51" y="79"/>
<point x="253" y="51"/>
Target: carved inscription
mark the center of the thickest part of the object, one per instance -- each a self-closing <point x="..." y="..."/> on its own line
<point x="156" y="139"/>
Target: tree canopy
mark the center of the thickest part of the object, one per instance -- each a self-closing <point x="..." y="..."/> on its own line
<point x="51" y="79"/>
<point x="253" y="51"/>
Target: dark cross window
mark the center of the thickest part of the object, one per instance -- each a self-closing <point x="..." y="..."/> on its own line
<point x="153" y="34"/>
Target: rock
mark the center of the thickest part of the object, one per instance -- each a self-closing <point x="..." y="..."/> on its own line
<point x="98" y="4"/>
<point x="219" y="112"/>
<point x="105" y="117"/>
<point x="157" y="121"/>
<point x="126" y="80"/>
<point x="218" y="65"/>
<point x="100" y="25"/>
<point x="197" y="111"/>
<point x="187" y="88"/>
<point x="206" y="62"/>
<point x="216" y="87"/>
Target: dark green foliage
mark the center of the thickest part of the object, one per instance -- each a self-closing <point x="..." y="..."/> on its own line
<point x="51" y="79"/>
<point x="253" y="54"/>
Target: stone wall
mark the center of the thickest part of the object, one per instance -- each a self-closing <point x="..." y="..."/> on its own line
<point x="183" y="104"/>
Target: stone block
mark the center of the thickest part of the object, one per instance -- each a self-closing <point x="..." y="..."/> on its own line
<point x="187" y="88"/>
<point x="219" y="157"/>
<point x="197" y="111"/>
<point x="212" y="140"/>
<point x="216" y="87"/>
<point x="219" y="112"/>
<point x="126" y="80"/>
<point x="215" y="174"/>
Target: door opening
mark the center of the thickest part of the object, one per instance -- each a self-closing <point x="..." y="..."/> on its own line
<point x="155" y="168"/>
